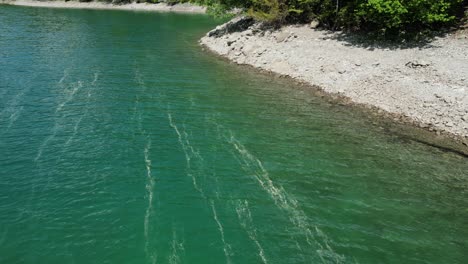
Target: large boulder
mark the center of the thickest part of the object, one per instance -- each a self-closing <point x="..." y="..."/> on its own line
<point x="235" y="25"/>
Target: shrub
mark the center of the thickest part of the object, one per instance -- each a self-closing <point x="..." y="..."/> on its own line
<point x="384" y="16"/>
<point x="396" y="15"/>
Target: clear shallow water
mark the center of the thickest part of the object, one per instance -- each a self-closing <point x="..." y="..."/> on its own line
<point x="121" y="141"/>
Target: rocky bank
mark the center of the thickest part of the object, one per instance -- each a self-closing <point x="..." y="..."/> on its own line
<point x="426" y="85"/>
<point x="158" y="7"/>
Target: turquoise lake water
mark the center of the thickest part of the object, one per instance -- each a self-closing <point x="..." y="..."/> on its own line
<point x="122" y="141"/>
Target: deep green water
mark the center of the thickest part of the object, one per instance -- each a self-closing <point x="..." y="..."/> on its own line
<point x="121" y="141"/>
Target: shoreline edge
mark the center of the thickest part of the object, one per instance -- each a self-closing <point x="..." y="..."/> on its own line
<point x="422" y="86"/>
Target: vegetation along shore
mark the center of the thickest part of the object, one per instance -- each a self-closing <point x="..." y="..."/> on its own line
<point x="407" y="59"/>
<point x="284" y="132"/>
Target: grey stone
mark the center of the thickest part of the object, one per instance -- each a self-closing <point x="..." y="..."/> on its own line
<point x="230" y="42"/>
<point x="314" y="24"/>
<point x="248" y="32"/>
<point x="465" y="118"/>
<point x="235" y="25"/>
<point x="282" y="36"/>
<point x="417" y="64"/>
<point x="250" y="49"/>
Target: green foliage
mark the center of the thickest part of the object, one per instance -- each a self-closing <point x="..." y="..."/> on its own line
<point x="397" y="15"/>
<point x="215" y="8"/>
<point x="389" y="17"/>
<point x="384" y="17"/>
<point x="268" y="10"/>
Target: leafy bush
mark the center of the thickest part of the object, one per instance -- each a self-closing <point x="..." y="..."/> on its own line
<point x="394" y="15"/>
<point x="384" y="16"/>
<point x="268" y="10"/>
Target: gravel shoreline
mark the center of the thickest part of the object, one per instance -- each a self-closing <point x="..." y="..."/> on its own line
<point x="426" y="85"/>
<point x="159" y="7"/>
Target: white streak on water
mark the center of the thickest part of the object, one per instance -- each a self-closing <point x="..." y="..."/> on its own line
<point x="13" y="103"/>
<point x="69" y="95"/>
<point x="12" y="110"/>
<point x="96" y="76"/>
<point x="283" y="201"/>
<point x="77" y="124"/>
<point x="14" y="116"/>
<point x="141" y="84"/>
<point x="75" y="128"/>
<point x="245" y="219"/>
<point x="135" y="109"/>
<point x="150" y="189"/>
<point x="150" y="182"/>
<point x="261" y="175"/>
<point x="226" y="246"/>
<point x="188" y="151"/>
<point x="46" y="142"/>
<point x="177" y="248"/>
<point x="65" y="75"/>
